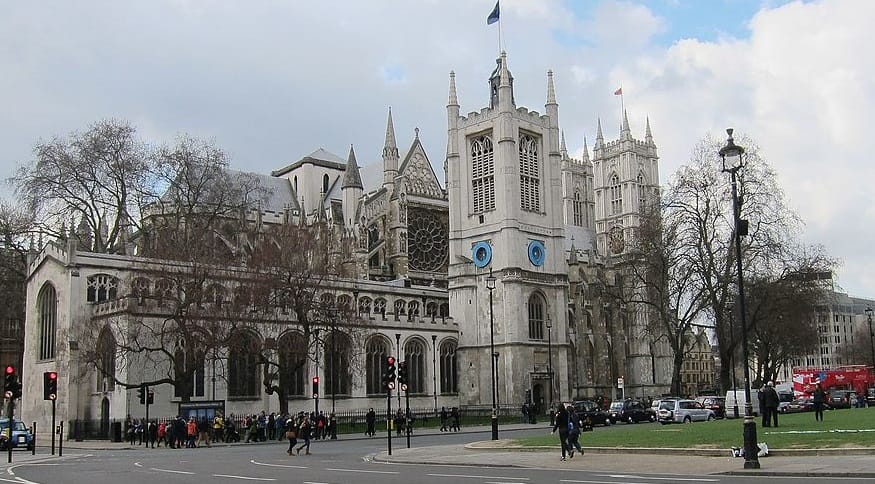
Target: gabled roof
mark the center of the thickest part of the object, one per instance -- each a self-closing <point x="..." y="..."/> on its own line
<point x="419" y="175"/>
<point x="320" y="157"/>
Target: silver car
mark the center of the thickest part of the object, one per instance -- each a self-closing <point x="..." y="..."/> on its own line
<point x="683" y="411"/>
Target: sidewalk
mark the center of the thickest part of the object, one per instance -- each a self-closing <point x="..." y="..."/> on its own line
<point x="859" y="462"/>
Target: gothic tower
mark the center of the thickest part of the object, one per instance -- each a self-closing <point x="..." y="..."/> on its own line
<point x="506" y="219"/>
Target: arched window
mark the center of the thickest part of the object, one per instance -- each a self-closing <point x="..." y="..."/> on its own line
<point x="365" y="305"/>
<point x="338" y="354"/>
<point x="106" y="361"/>
<point x="431" y="310"/>
<point x="188" y="363"/>
<point x="616" y="194"/>
<point x="344" y="303"/>
<point x="325" y="183"/>
<point x="530" y="178"/>
<point x="449" y="377"/>
<point x="215" y="295"/>
<point x="400" y="308"/>
<point x="377" y="351"/>
<point x="536" y="317"/>
<point x="577" y="210"/>
<point x="141" y="288"/>
<point x="380" y="307"/>
<point x="101" y="287"/>
<point x="293" y="363"/>
<point x="164" y="290"/>
<point x="642" y="193"/>
<point x="444" y="310"/>
<point x="413" y="309"/>
<point x="414" y="358"/>
<point x="243" y="366"/>
<point x="482" y="170"/>
<point x="47" y="304"/>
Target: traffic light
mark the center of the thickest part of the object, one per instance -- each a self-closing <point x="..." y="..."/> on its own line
<point x="50" y="385"/>
<point x="141" y="394"/>
<point x="390" y="372"/>
<point x="150" y="398"/>
<point x="11" y="383"/>
<point x="402" y="375"/>
<point x="315" y="387"/>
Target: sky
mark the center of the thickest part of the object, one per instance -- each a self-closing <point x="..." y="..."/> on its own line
<point x="272" y="81"/>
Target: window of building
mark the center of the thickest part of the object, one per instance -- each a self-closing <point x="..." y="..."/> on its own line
<point x="482" y="174"/>
<point x="188" y="364"/>
<point x="536" y="317"/>
<point x="577" y="210"/>
<point x="377" y="352"/>
<point x="325" y="183"/>
<point x="106" y="359"/>
<point x="293" y="363"/>
<point x="616" y="194"/>
<point x="101" y="287"/>
<point x="642" y="193"/>
<point x="243" y="378"/>
<point x="338" y="354"/>
<point x="449" y="377"/>
<point x="47" y="304"/>
<point x="414" y="358"/>
<point x="530" y="179"/>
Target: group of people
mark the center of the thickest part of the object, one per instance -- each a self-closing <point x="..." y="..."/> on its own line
<point x="176" y="433"/>
<point x="769" y="400"/>
<point x="450" y="421"/>
<point x="569" y="425"/>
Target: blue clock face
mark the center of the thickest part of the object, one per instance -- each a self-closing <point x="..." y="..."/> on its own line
<point x="537" y="253"/>
<point x="482" y="254"/>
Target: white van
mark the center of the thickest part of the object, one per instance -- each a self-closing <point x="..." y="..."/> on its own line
<point x="738" y="396"/>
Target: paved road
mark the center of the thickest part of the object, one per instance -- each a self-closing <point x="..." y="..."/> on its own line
<point x="434" y="459"/>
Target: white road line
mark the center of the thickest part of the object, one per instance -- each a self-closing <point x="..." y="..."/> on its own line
<point x="469" y="476"/>
<point x="245" y="477"/>
<point x="277" y="465"/>
<point x="629" y="476"/>
<point x="598" y="482"/>
<point x="359" y="470"/>
<point x="171" y="471"/>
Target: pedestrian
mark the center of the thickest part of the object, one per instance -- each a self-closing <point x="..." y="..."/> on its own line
<point x="292" y="435"/>
<point x="332" y="426"/>
<point x="304" y="431"/>
<point x="772" y="401"/>
<point x="191" y="432"/>
<point x="761" y="397"/>
<point x="444" y="419"/>
<point x="203" y="431"/>
<point x="457" y="418"/>
<point x="280" y="427"/>
<point x="819" y="398"/>
<point x="399" y="422"/>
<point x="162" y="434"/>
<point x="525" y="413"/>
<point x="560" y="422"/>
<point x="576" y="426"/>
<point x="371" y="421"/>
<point x="152" y="432"/>
<point x="271" y="426"/>
<point x="218" y="428"/>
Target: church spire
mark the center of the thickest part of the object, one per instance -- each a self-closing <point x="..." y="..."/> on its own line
<point x="648" y="136"/>
<point x="551" y="91"/>
<point x="599" y="138"/>
<point x="351" y="176"/>
<point x="454" y="100"/>
<point x="563" y="150"/>
<point x="585" y="150"/>
<point x="390" y="154"/>
<point x="625" y="132"/>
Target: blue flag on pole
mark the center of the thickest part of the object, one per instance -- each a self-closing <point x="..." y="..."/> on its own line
<point x="493" y="16"/>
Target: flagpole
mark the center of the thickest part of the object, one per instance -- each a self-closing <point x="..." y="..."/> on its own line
<point x="499" y="34"/>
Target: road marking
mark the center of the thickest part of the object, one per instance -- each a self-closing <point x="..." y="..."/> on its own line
<point x="171" y="471"/>
<point x="277" y="465"/>
<point x="470" y="476"/>
<point x="359" y="470"/>
<point x="598" y="482"/>
<point x="629" y="476"/>
<point x="245" y="477"/>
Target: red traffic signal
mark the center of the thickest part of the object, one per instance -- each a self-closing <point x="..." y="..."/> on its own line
<point x="315" y="379"/>
<point x="10" y="370"/>
<point x="50" y="385"/>
<point x="315" y="387"/>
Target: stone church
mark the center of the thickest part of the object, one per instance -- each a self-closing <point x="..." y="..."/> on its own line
<point x="507" y="267"/>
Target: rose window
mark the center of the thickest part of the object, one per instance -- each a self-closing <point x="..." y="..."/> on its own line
<point x="427" y="242"/>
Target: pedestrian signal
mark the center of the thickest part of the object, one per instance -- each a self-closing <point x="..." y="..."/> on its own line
<point x="50" y="385"/>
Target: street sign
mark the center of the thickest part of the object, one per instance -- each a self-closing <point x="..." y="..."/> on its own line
<point x="620" y="382"/>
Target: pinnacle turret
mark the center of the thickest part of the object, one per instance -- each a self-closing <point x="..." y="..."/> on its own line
<point x="454" y="100"/>
<point x="551" y="91"/>
<point x="648" y="136"/>
<point x="351" y="176"/>
<point x="390" y="148"/>
<point x="599" y="137"/>
<point x="585" y="156"/>
<point x="563" y="150"/>
<point x="625" y="132"/>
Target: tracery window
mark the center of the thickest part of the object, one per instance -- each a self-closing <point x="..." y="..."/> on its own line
<point x="106" y="360"/>
<point x="616" y="194"/>
<point x="47" y="304"/>
<point x="164" y="290"/>
<point x="400" y="308"/>
<point x="141" y="288"/>
<point x="578" y="210"/>
<point x="536" y="317"/>
<point x="482" y="174"/>
<point x="365" y="305"/>
<point x="243" y="366"/>
<point x="293" y="363"/>
<point x="380" y="307"/>
<point x="101" y="287"/>
<point x="530" y="182"/>
<point x="427" y="245"/>
<point x="414" y="358"/>
<point x="338" y="354"/>
<point x="375" y="359"/>
<point x="413" y="309"/>
<point x="449" y="378"/>
<point x="188" y="360"/>
<point x="642" y="193"/>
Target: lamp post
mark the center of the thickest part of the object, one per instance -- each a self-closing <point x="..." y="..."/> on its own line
<point x="434" y="369"/>
<point x="490" y="284"/>
<point x="550" y="359"/>
<point x="732" y="366"/>
<point x="871" y="335"/>
<point x="731" y="157"/>
<point x="398" y="357"/>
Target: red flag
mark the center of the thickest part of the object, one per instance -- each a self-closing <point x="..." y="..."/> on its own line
<point x="618" y="92"/>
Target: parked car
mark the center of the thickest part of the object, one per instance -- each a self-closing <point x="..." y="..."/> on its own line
<point x="842" y="398"/>
<point x="683" y="411"/>
<point x="630" y="411"/>
<point x="589" y="410"/>
<point x="716" y="404"/>
<point x="803" y="404"/>
<point x="21" y="436"/>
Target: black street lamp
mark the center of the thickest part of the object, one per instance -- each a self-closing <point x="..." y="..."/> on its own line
<point x="550" y="359"/>
<point x="434" y="369"/>
<point x="490" y="284"/>
<point x="871" y="335"/>
<point x="398" y="357"/>
<point x="731" y="156"/>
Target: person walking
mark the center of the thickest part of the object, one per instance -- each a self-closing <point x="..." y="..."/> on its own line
<point x="304" y="431"/>
<point x="291" y="434"/>
<point x="162" y="435"/>
<point x="203" y="432"/>
<point x="371" y="421"/>
<point x="772" y="401"/>
<point x="560" y="422"/>
<point x="399" y="422"/>
<point x="444" y="419"/>
<point x="457" y="419"/>
<point x="575" y="426"/>
<point x="818" y="399"/>
<point x="761" y="397"/>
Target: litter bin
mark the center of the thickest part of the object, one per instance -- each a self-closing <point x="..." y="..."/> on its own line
<point x="115" y="431"/>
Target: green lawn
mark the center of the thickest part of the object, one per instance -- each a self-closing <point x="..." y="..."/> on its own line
<point x="840" y="428"/>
